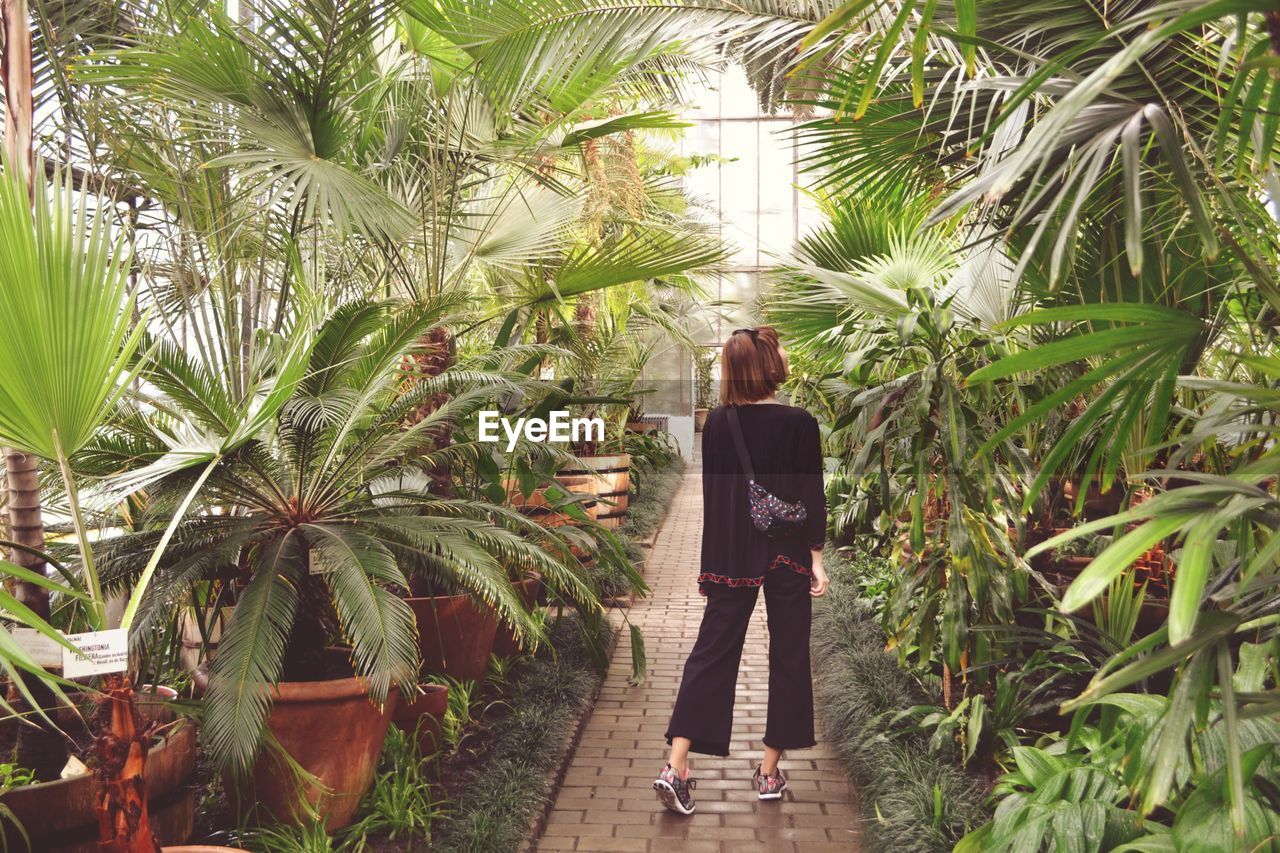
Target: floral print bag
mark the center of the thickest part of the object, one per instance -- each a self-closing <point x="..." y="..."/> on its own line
<point x="771" y="515"/>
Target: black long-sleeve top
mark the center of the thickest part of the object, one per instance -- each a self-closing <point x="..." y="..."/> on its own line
<point x="786" y="453"/>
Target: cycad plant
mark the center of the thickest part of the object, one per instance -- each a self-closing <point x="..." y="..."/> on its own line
<point x="324" y="518"/>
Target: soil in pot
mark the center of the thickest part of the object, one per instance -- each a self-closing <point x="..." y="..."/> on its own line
<point x="333" y="731"/>
<point x="455" y="635"/>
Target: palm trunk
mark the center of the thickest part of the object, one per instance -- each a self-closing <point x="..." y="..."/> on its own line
<point x="40" y="748"/>
<point x="120" y="795"/>
<point x="15" y="74"/>
<point x="436" y="357"/>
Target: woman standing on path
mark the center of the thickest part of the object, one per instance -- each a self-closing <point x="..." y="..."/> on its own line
<point x="764" y="524"/>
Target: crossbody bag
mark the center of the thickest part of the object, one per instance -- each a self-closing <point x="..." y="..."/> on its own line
<point x="770" y="514"/>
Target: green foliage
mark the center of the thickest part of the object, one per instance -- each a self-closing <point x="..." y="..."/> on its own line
<point x="914" y="799"/>
<point x="510" y="776"/>
<point x="401" y="805"/>
<point x="1074" y="793"/>
<point x="66" y="295"/>
<point x="13" y="776"/>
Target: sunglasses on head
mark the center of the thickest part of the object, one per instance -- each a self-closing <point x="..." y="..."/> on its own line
<point x="752" y="332"/>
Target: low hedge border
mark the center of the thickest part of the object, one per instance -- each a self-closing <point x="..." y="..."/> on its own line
<point x="911" y="799"/>
<point x="502" y="800"/>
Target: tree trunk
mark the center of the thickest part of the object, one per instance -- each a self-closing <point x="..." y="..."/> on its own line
<point x="42" y="748"/>
<point x="120" y="795"/>
<point x="435" y="358"/>
<point x="15" y="74"/>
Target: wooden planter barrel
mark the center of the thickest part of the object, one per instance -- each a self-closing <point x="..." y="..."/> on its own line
<point x="195" y="649"/>
<point x="610" y="479"/>
<point x="59" y="818"/>
<point x="538" y="505"/>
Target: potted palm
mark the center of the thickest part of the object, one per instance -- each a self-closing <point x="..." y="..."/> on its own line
<point x="64" y="364"/>
<point x="326" y="520"/>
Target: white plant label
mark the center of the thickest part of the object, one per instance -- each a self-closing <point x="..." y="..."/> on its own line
<point x="101" y="652"/>
<point x="42" y="650"/>
<point x="316" y="562"/>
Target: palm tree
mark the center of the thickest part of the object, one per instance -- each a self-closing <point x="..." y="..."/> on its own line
<point x="325" y="516"/>
<point x="890" y="314"/>
<point x="63" y="280"/>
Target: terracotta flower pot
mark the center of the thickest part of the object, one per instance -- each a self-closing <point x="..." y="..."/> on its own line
<point x="455" y="635"/>
<point x="700" y="419"/>
<point x="334" y="731"/>
<point x="59" y="818"/>
<point x="421" y="715"/>
<point x="505" y="644"/>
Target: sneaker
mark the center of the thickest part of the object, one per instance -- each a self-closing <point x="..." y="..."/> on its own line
<point x="770" y="787"/>
<point x="673" y="792"/>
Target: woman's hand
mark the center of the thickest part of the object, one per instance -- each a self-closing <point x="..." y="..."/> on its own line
<point x="818" y="585"/>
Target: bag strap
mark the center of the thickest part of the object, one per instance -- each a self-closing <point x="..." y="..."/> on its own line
<point x="744" y="458"/>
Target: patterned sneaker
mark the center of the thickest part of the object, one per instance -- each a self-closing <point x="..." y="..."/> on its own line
<point x="673" y="792"/>
<point x="770" y="787"/>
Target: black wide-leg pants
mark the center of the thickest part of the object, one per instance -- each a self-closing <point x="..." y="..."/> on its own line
<point x="704" y="705"/>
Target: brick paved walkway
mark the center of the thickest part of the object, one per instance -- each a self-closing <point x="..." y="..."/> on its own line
<point x="607" y="804"/>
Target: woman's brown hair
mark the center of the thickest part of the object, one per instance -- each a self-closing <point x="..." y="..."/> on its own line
<point x="752" y="366"/>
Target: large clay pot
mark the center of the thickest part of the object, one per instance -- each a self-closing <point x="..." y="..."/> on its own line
<point x="610" y="478"/>
<point x="505" y="644"/>
<point x="333" y="731"/>
<point x="700" y="419"/>
<point x="421" y="715"/>
<point x="455" y="635"/>
<point x="59" y="818"/>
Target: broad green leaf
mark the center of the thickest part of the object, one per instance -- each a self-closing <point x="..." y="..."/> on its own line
<point x="1117" y="557"/>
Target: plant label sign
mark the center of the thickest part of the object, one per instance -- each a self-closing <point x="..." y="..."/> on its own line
<point x="101" y="652"/>
<point x="42" y="650"/>
<point x="316" y="562"/>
